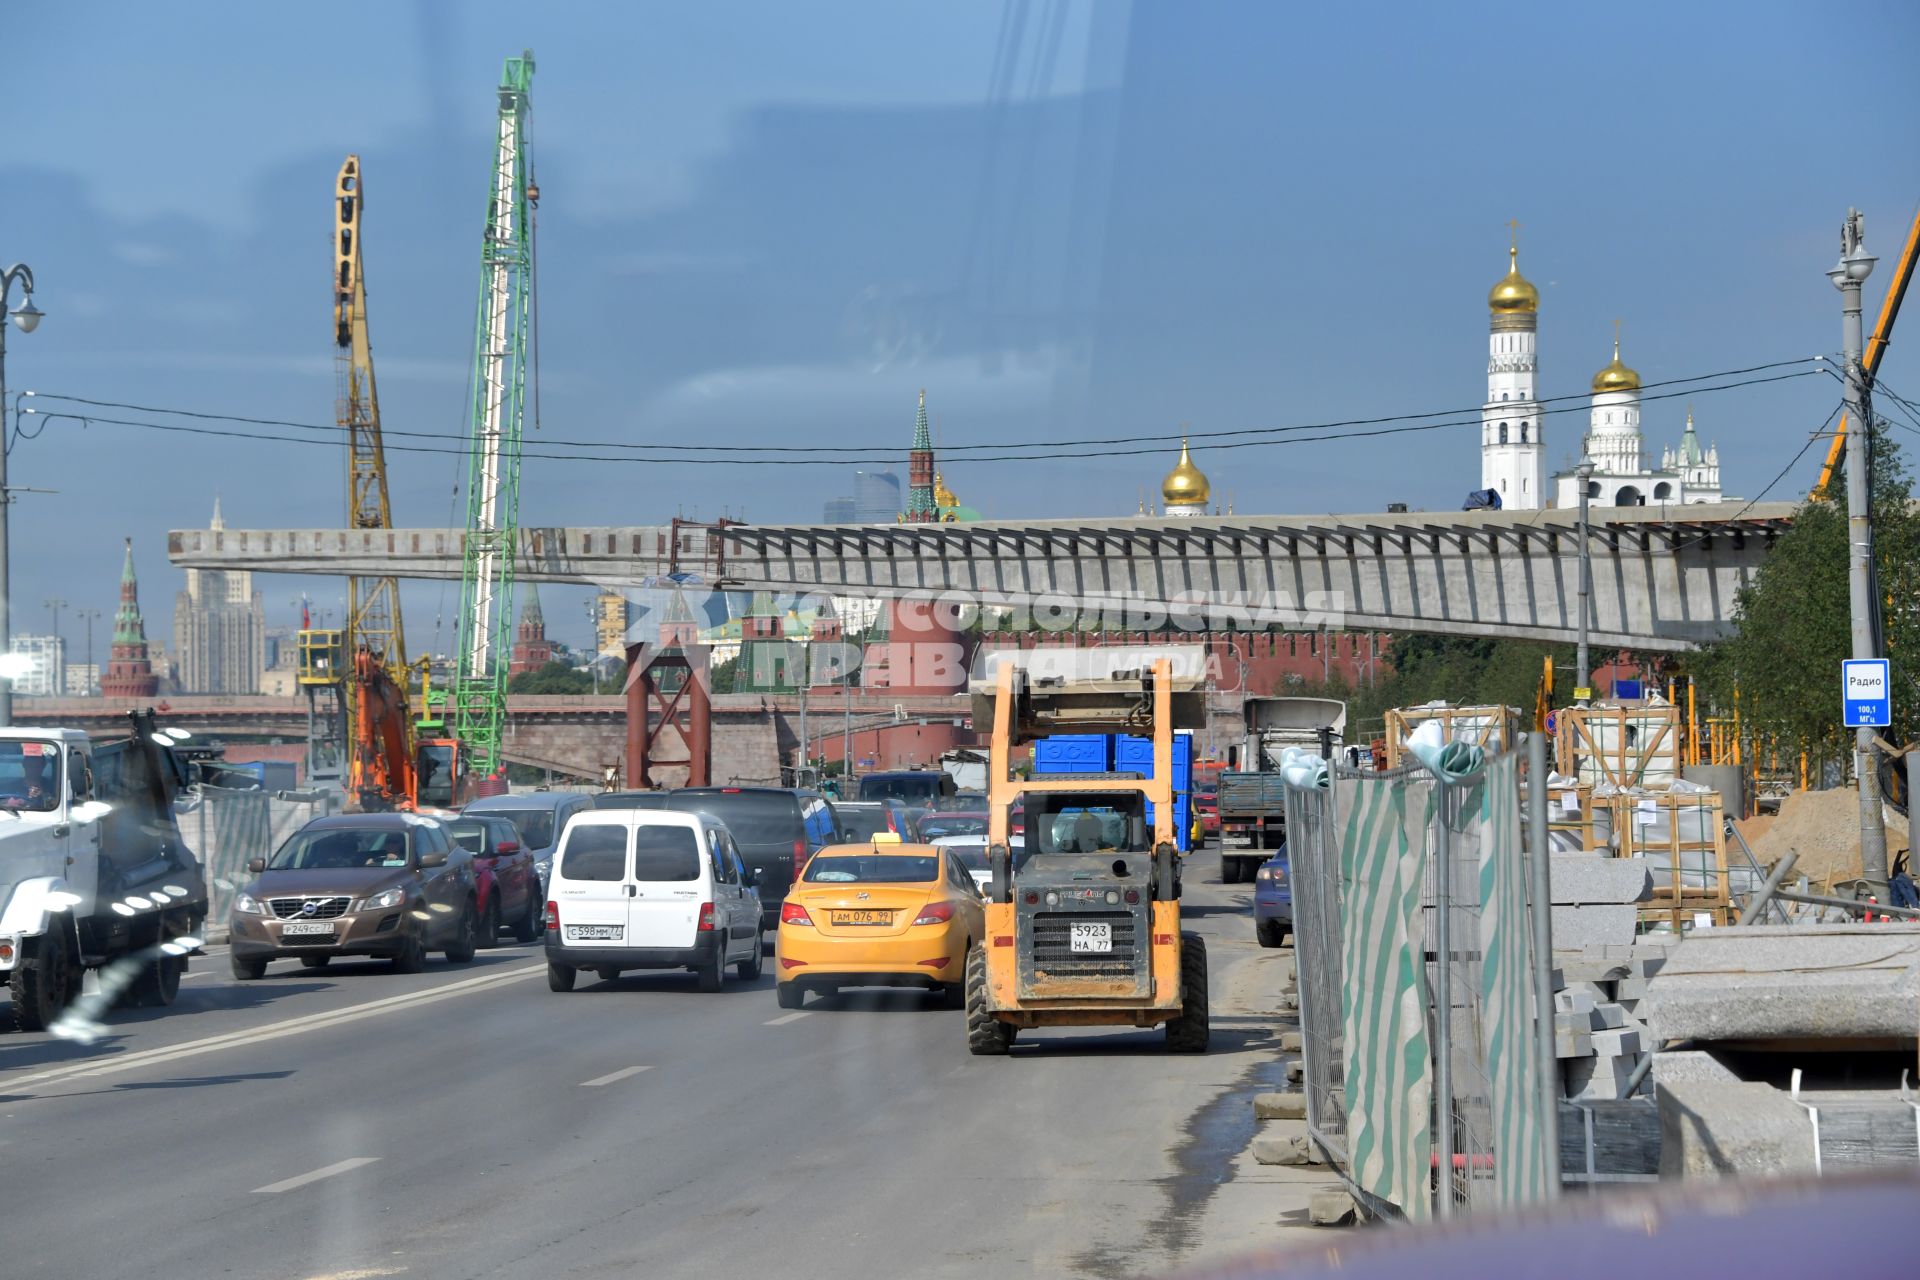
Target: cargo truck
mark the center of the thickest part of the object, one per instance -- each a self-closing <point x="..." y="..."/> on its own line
<point x="1252" y="797"/>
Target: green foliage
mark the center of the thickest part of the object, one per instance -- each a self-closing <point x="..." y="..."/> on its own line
<point x="721" y="676"/>
<point x="553" y="678"/>
<point x="1795" y="617"/>
<point x="1462" y="670"/>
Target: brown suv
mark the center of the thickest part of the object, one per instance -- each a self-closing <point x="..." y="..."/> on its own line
<point x="368" y="884"/>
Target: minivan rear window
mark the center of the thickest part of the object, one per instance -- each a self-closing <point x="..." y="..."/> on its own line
<point x="595" y="853"/>
<point x="665" y="853"/>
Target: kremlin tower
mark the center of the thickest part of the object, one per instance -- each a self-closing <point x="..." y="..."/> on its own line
<point x="531" y="648"/>
<point x="920" y="500"/>
<point x="129" y="671"/>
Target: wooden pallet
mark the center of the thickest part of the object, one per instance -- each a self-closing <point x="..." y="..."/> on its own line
<point x="1495" y="729"/>
<point x="1625" y="746"/>
<point x="1687" y="837"/>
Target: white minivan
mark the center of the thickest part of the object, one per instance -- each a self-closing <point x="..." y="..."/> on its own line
<point x="650" y="889"/>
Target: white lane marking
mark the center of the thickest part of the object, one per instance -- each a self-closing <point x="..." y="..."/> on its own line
<point x="611" y="1076"/>
<point x="188" y="977"/>
<point x="785" y="1018"/>
<point x="272" y="1031"/>
<point x="339" y="1166"/>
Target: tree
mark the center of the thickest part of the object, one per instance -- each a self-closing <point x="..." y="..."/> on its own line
<point x="552" y="678"/>
<point x="1462" y="670"/>
<point x="1794" y="617"/>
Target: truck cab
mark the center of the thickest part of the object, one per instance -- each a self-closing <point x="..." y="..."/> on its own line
<point x="1083" y="929"/>
<point x="92" y="866"/>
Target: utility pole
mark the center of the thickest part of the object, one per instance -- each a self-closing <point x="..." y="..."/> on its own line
<point x="1583" y="664"/>
<point x="55" y="605"/>
<point x="1848" y="274"/>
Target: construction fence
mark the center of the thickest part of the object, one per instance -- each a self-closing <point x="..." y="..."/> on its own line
<point x="1422" y="1064"/>
<point x="225" y="828"/>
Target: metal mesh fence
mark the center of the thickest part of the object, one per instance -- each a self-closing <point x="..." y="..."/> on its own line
<point x="1420" y="1059"/>
<point x="226" y="828"/>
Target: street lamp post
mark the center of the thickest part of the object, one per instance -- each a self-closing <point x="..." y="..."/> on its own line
<point x="27" y="316"/>
<point x="55" y="605"/>
<point x="93" y="675"/>
<point x="1582" y="662"/>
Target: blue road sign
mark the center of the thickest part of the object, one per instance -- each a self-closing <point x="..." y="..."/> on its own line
<point x="1868" y="691"/>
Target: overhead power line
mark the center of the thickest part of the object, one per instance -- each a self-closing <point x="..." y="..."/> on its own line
<point x="327" y="435"/>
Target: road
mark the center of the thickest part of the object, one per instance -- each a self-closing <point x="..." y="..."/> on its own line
<point x="467" y="1122"/>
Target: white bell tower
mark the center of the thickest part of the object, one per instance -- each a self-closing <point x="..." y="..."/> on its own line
<point x="1512" y="455"/>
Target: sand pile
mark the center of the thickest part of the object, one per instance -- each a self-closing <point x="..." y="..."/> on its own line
<point x="1823" y="827"/>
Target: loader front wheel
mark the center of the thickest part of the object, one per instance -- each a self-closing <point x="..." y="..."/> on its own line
<point x="1188" y="1033"/>
<point x="987" y="1036"/>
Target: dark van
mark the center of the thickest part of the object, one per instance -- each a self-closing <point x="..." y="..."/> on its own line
<point x="773" y="828"/>
<point x="923" y="787"/>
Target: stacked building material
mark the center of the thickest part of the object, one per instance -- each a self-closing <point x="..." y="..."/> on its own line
<point x="1598" y="1034"/>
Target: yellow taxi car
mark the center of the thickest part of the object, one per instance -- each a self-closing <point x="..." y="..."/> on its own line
<point x="884" y="914"/>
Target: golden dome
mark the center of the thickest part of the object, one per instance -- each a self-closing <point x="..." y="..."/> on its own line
<point x="1185" y="485"/>
<point x="1616" y="376"/>
<point x="1514" y="292"/>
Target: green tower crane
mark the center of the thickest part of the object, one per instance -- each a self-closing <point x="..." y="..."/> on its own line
<point x="493" y="478"/>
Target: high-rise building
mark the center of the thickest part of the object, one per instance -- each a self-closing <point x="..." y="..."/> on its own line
<point x="876" y="497"/>
<point x="610" y="624"/>
<point x="46" y="658"/>
<point x="83" y="679"/>
<point x="219" y="629"/>
<point x="129" y="668"/>
<point x="838" y="511"/>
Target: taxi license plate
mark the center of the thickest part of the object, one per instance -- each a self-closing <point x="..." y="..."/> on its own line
<point x="595" y="932"/>
<point x="1092" y="937"/>
<point x="861" y="917"/>
<point x="306" y="929"/>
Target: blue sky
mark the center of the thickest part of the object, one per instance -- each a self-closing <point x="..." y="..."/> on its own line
<point x="773" y="223"/>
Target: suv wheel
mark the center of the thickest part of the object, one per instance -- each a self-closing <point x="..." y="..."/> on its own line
<point x="465" y="938"/>
<point x="527" y="927"/>
<point x="247" y="970"/>
<point x="412" y="957"/>
<point x="490" y="926"/>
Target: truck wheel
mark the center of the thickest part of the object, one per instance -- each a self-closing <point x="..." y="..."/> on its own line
<point x="157" y="983"/>
<point x="560" y="976"/>
<point x="490" y="926"/>
<point x="987" y="1036"/>
<point x="466" y="937"/>
<point x="1229" y="871"/>
<point x="43" y="983"/>
<point x="527" y="927"/>
<point x="1188" y="1033"/>
<point x="247" y="970"/>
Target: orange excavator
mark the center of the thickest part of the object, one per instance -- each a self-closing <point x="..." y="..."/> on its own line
<point x="381" y="774"/>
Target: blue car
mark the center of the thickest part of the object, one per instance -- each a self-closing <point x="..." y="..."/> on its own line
<point x="1273" y="901"/>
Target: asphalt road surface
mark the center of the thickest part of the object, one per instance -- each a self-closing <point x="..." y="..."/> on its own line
<point x="467" y="1122"/>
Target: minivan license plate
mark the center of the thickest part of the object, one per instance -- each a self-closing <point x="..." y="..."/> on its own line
<point x="595" y="932"/>
<point x="306" y="928"/>
<point x="1092" y="937"/>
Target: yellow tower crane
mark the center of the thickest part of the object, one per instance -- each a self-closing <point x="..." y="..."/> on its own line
<point x="373" y="608"/>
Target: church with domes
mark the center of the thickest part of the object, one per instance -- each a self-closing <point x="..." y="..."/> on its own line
<point x="1513" y="433"/>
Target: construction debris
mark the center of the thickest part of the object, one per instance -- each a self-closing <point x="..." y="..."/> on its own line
<point x="1823" y="828"/>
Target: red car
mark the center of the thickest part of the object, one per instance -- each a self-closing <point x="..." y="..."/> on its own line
<point x="1206" y="803"/>
<point x="506" y="884"/>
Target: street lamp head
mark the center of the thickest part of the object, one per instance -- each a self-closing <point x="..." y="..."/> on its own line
<point x="26" y="315"/>
<point x="1584" y="469"/>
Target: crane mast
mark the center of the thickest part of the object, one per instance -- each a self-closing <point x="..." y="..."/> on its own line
<point x="373" y="663"/>
<point x="493" y="476"/>
<point x="373" y="612"/>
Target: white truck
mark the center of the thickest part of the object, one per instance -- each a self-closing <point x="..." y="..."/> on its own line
<point x="93" y="871"/>
<point x="1252" y="798"/>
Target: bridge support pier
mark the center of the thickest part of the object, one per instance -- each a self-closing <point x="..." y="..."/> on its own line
<point x="667" y="699"/>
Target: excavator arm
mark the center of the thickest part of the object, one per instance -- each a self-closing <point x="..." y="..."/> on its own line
<point x="382" y="774"/>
